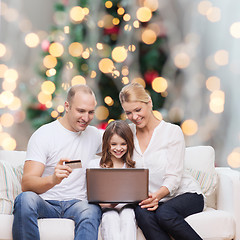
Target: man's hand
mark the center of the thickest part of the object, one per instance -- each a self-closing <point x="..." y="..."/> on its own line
<point x="61" y="171"/>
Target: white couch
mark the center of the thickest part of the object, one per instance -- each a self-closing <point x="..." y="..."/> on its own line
<point x="220" y="220"/>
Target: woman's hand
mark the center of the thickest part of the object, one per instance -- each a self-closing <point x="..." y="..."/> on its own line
<point x="151" y="203"/>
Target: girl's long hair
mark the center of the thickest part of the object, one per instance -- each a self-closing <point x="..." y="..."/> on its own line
<point x="122" y="129"/>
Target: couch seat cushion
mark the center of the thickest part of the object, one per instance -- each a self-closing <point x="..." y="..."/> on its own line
<point x="50" y="228"/>
<point x="213" y="224"/>
<point x="6" y="222"/>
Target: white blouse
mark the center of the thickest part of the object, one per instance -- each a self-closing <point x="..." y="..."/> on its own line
<point x="164" y="157"/>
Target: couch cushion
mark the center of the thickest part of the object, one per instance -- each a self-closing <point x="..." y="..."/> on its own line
<point x="213" y="224"/>
<point x="52" y="228"/>
<point x="6" y="222"/>
<point x="10" y="187"/>
<point x="60" y="229"/>
<point x="14" y="157"/>
<point x="200" y="163"/>
<point x="11" y="167"/>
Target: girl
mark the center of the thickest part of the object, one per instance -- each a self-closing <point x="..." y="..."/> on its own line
<point x="118" y="221"/>
<point x="160" y="147"/>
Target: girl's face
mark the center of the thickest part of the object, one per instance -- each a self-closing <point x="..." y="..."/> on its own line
<point x="138" y="112"/>
<point x="118" y="146"/>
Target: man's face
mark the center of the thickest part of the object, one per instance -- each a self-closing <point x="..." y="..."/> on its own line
<point x="80" y="111"/>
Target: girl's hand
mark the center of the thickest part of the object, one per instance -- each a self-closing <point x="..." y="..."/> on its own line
<point x="151" y="203"/>
<point x="107" y="205"/>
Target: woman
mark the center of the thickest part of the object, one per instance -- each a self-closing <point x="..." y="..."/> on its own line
<point x="160" y="147"/>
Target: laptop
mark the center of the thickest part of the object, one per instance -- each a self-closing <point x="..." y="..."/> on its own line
<point x="117" y="185"/>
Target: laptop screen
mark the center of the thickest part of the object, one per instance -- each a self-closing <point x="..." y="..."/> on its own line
<point x="117" y="185"/>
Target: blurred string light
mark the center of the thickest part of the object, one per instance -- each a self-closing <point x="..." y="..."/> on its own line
<point x="3" y="50"/>
<point x="43" y="98"/>
<point x="11" y="105"/>
<point x="216" y="61"/>
<point x="234" y="158"/>
<point x="213" y="83"/>
<point x="144" y="14"/>
<point x="108" y="4"/>
<point x="119" y="54"/>
<point x="214" y="14"/>
<point x="189" y="127"/>
<point x="101" y="113"/>
<point x="78" y="80"/>
<point x="159" y="84"/>
<point x="56" y="49"/>
<point x="106" y="65"/>
<point x="51" y="72"/>
<point x="54" y="114"/>
<point x="206" y="8"/>
<point x="109" y="101"/>
<point x="125" y="80"/>
<point x="217" y="97"/>
<point x="235" y="30"/>
<point x="48" y="87"/>
<point x="217" y="101"/>
<point x="49" y="61"/>
<point x="32" y="40"/>
<point x="109" y="59"/>
<point x="221" y="57"/>
<point x="182" y="60"/>
<point x="75" y="49"/>
<point x="77" y="14"/>
<point x="149" y="36"/>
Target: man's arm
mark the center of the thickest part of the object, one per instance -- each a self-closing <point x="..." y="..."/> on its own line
<point x="32" y="179"/>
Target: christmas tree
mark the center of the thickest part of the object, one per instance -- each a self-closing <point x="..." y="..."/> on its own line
<point x="105" y="44"/>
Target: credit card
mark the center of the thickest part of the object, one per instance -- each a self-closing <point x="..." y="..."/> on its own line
<point x="74" y="164"/>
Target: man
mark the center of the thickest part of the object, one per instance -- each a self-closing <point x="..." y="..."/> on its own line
<point x="52" y="189"/>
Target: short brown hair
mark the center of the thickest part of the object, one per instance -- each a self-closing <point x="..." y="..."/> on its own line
<point x="78" y="88"/>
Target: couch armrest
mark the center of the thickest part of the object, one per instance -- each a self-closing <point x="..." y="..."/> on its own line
<point x="228" y="194"/>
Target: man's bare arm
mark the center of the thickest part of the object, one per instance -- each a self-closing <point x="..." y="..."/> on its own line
<point x="32" y="179"/>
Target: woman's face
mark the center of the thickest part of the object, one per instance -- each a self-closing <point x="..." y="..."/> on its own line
<point x="118" y="146"/>
<point x="138" y="112"/>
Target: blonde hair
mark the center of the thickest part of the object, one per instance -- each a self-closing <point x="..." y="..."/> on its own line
<point x="78" y="88"/>
<point x="134" y="92"/>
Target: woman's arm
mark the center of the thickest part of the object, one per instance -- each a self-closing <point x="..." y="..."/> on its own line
<point x="173" y="170"/>
<point x="175" y="160"/>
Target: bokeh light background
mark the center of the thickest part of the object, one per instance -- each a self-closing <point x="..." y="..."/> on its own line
<point x="203" y="41"/>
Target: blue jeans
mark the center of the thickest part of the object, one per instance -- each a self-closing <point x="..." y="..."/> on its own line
<point x="29" y="207"/>
<point x="168" y="219"/>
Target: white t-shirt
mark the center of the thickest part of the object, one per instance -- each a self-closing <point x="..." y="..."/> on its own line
<point x="50" y="143"/>
<point x="164" y="157"/>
